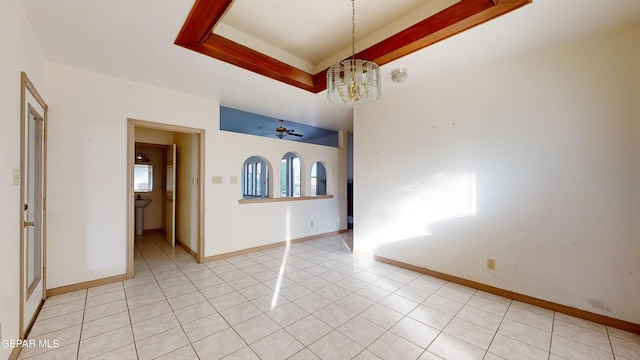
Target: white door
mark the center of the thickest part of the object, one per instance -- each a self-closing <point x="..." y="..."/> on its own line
<point x="171" y="191"/>
<point x="32" y="182"/>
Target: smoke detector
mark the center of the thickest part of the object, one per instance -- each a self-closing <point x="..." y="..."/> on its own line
<point x="399" y="75"/>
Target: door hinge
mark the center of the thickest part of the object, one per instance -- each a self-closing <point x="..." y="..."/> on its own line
<point x="44" y="203"/>
<point x="44" y="135"/>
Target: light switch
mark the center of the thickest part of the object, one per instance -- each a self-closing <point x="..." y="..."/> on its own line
<point x="16" y="177"/>
<point x="233" y="179"/>
<point x="216" y="179"/>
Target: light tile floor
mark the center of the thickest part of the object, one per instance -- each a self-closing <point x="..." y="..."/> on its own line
<point x="312" y="300"/>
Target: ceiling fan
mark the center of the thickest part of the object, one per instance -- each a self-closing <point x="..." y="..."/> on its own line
<point x="282" y="131"/>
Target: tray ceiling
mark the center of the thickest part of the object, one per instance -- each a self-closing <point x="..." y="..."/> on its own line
<point x="295" y="41"/>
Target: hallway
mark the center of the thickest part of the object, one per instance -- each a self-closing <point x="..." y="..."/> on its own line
<point x="311" y="300"/>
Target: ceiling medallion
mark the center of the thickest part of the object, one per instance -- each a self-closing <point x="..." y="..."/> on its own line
<point x="353" y="81"/>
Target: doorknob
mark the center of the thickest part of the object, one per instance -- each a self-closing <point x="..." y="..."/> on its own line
<point x="29" y="223"/>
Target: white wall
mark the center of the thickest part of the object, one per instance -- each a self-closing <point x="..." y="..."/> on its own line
<point x="250" y="225"/>
<point x="88" y="165"/>
<point x="87" y="175"/>
<point x="20" y="52"/>
<point x="533" y="162"/>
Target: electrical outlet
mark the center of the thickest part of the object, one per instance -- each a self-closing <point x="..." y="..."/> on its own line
<point x="491" y="264"/>
<point x="233" y="179"/>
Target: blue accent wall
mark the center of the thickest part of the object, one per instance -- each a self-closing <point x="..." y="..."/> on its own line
<point x="253" y="124"/>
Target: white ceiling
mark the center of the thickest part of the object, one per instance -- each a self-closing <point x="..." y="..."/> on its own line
<point x="133" y="39"/>
<point x="312" y="35"/>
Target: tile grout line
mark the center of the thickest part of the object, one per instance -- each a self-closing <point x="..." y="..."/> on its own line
<point x="606" y="328"/>
<point x="322" y="255"/>
<point x="585" y="344"/>
<point x="307" y="313"/>
<point x="422" y="303"/>
<point x="135" y="343"/>
<point x="351" y="292"/>
<point x="165" y="299"/>
<point x="403" y="317"/>
<point x="453" y="317"/>
<point x="206" y="300"/>
<point x="86" y="297"/>
<point x="495" y="333"/>
<point x="553" y="326"/>
<point x="358" y="314"/>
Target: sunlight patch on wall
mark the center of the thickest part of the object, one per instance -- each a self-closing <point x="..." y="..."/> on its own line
<point x="419" y="205"/>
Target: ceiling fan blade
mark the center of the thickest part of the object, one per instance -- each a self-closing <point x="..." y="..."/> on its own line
<point x="294" y="134"/>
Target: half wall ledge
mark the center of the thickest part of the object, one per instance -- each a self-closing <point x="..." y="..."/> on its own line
<point x="297" y="198"/>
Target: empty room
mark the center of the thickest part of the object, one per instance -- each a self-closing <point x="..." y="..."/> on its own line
<point x="339" y="179"/>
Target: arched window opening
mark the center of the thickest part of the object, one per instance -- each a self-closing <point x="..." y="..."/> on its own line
<point x="318" y="179"/>
<point x="255" y="178"/>
<point x="290" y="175"/>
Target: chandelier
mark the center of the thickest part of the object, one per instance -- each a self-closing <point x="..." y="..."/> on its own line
<point x="353" y="81"/>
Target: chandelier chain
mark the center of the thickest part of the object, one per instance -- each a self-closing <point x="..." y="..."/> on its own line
<point x="353" y="29"/>
<point x="353" y="81"/>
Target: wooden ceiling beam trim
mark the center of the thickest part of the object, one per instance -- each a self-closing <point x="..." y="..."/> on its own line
<point x="408" y="40"/>
<point x="204" y="16"/>
<point x="449" y="22"/>
<point x="229" y="51"/>
<point x="197" y="35"/>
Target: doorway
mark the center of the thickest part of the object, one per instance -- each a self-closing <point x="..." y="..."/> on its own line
<point x="33" y="160"/>
<point x="154" y="184"/>
<point x="181" y="169"/>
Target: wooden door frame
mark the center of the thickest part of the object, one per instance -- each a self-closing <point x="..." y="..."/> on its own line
<point x="132" y="124"/>
<point x="170" y="207"/>
<point x="27" y="85"/>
